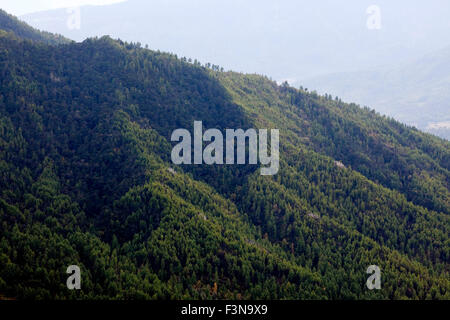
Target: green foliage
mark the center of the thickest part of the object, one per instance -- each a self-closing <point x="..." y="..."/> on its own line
<point x="86" y="179"/>
<point x="10" y="23"/>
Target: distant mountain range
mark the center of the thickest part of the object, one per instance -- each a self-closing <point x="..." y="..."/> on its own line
<point x="416" y="93"/>
<point x="287" y="40"/>
<point x="86" y="179"/>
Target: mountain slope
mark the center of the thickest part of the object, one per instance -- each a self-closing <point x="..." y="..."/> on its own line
<point x="10" y="23"/>
<point x="86" y="179"/>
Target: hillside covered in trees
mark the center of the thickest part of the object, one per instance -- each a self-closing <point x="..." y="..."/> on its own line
<point x="86" y="178"/>
<point x="10" y="23"/>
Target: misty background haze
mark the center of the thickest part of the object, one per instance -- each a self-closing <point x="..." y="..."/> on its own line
<point x="400" y="69"/>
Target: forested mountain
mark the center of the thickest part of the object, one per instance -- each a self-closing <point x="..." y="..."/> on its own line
<point x="10" y="23"/>
<point x="86" y="179"/>
<point x="400" y="69"/>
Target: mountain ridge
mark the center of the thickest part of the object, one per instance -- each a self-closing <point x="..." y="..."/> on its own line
<point x="10" y="23"/>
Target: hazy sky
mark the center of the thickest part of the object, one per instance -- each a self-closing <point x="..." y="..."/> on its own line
<point x="19" y="7"/>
